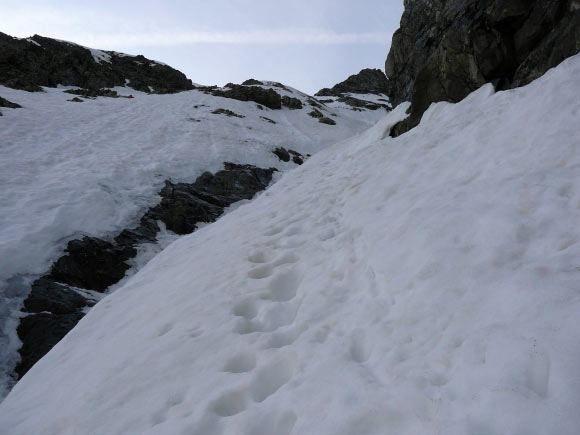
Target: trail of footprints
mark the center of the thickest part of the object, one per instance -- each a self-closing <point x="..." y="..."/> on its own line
<point x="270" y="313"/>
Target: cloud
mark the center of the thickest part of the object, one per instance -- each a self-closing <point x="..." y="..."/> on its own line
<point x="263" y="37"/>
<point x="100" y="28"/>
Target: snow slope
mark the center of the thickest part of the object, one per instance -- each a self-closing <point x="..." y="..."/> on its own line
<point x="93" y="168"/>
<point x="424" y="284"/>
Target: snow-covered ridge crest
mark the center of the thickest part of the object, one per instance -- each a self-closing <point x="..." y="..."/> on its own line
<point x="424" y="284"/>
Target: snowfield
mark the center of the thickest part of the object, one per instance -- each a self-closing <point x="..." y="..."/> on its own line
<point x="92" y="167"/>
<point x="427" y="284"/>
<point x="69" y="169"/>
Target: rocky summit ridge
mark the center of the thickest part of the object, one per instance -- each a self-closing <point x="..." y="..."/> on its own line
<point x="28" y="64"/>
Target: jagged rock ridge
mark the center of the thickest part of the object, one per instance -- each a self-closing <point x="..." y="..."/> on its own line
<point x="28" y="64"/>
<point x="444" y="50"/>
<point x="368" y="81"/>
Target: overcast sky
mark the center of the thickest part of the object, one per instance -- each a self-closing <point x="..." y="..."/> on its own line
<point x="307" y="44"/>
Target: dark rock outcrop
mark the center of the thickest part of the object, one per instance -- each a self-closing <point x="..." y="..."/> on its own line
<point x="265" y="97"/>
<point x="297" y="157"/>
<point x="444" y="50"/>
<point x="291" y="102"/>
<point x="252" y="82"/>
<point x="54" y="309"/>
<point x="284" y="155"/>
<point x="280" y="86"/>
<point x="327" y="121"/>
<point x="9" y="104"/>
<point x="317" y="114"/>
<point x="368" y="81"/>
<point x="227" y="112"/>
<point x="28" y="64"/>
<point x="55" y="303"/>
<point x="314" y="103"/>
<point x="39" y="333"/>
<point x="247" y="91"/>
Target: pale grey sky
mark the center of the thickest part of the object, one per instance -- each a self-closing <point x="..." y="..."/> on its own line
<point x="308" y="44"/>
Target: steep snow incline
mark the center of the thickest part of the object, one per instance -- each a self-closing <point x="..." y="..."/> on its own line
<point x="93" y="168"/>
<point x="425" y="284"/>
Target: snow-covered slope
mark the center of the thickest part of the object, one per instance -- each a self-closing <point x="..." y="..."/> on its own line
<point x="425" y="284"/>
<point x="92" y="168"/>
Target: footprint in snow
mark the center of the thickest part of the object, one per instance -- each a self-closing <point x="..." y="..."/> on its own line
<point x="242" y="362"/>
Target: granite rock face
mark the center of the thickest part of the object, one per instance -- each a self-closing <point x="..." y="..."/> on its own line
<point x="446" y="49"/>
<point x="251" y="82"/>
<point x="47" y="295"/>
<point x="28" y="64"/>
<point x="368" y="81"/>
<point x="5" y="103"/>
<point x="227" y="112"/>
<point x="184" y="205"/>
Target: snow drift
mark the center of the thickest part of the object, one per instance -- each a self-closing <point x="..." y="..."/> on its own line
<point x="423" y="284"/>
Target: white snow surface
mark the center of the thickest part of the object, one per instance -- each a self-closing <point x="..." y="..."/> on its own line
<point x="426" y="284"/>
<point x="69" y="169"/>
<point x="93" y="167"/>
<point x="32" y="41"/>
<point x="100" y="55"/>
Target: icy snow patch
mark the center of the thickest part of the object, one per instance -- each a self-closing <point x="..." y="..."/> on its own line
<point x="100" y="55"/>
<point x="33" y="42"/>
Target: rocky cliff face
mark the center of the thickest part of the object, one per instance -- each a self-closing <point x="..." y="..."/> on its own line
<point x="28" y="64"/>
<point x="368" y="81"/>
<point x="445" y="49"/>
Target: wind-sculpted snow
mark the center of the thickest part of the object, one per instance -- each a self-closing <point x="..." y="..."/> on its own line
<point x="70" y="169"/>
<point x="424" y="284"/>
